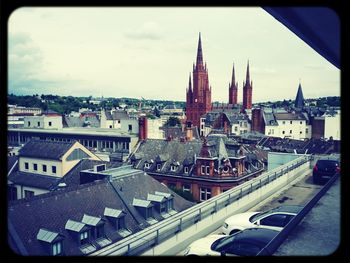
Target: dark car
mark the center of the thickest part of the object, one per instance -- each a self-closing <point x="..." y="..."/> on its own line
<point x="324" y="169"/>
<point x="248" y="242"/>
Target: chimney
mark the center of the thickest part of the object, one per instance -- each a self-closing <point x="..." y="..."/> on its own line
<point x="189" y="132"/>
<point x="143" y="128"/>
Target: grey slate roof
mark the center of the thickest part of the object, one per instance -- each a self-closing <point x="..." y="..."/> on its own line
<point x="11" y="160"/>
<point x="45" y="149"/>
<point x="52" y="211"/>
<point x="85" y="205"/>
<point x="34" y="180"/>
<point x="92" y="121"/>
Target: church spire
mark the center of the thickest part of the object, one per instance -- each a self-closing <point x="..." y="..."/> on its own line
<point x="190" y="83"/>
<point x="248" y="76"/>
<point x="199" y="52"/>
<point x="233" y="75"/>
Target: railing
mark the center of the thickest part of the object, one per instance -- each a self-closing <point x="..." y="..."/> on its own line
<point x="275" y="243"/>
<point x="153" y="235"/>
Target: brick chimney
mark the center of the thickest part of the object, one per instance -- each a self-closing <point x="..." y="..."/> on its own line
<point x="189" y="132"/>
<point x="257" y="120"/>
<point x="143" y="128"/>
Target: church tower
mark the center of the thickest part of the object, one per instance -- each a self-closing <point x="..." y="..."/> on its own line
<point x="198" y="98"/>
<point x="232" y="89"/>
<point x="247" y="91"/>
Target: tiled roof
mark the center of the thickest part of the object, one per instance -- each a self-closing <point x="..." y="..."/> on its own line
<point x="92" y="121"/>
<point x="52" y="211"/>
<point x="289" y="116"/>
<point x="34" y="180"/>
<point x="45" y="149"/>
<point x="85" y="206"/>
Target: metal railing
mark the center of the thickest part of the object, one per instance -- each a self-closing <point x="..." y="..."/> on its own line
<point x="153" y="235"/>
<point x="275" y="243"/>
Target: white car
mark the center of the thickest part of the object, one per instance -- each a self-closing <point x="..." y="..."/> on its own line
<point x="248" y="242"/>
<point x="275" y="218"/>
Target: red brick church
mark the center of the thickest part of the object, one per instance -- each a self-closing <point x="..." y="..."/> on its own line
<point x="198" y="97"/>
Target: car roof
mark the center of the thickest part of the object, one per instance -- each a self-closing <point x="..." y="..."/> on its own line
<point x="329" y="158"/>
<point x="288" y="209"/>
<point x="259" y="236"/>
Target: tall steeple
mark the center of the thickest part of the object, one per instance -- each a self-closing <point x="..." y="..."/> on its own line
<point x="299" y="99"/>
<point x="248" y="75"/>
<point x="190" y="83"/>
<point x="199" y="92"/>
<point x="233" y="87"/>
<point x="247" y="91"/>
<point x="199" y="53"/>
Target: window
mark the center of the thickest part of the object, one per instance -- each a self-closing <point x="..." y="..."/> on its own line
<point x="159" y="166"/>
<point x="186" y="188"/>
<point x="173" y="168"/>
<point x="44" y="168"/>
<point x="53" y="169"/>
<point x="130" y="128"/>
<point x="118" y="121"/>
<point x="306" y="130"/>
<point x="100" y="231"/>
<point x="26" y="166"/>
<point x="110" y="126"/>
<point x="38" y="123"/>
<point x="84" y="237"/>
<point x="28" y="123"/>
<point x="50" y="123"/>
<point x="77" y="154"/>
<point x="291" y="122"/>
<point x="290" y="131"/>
<point x="28" y="194"/>
<point x="236" y="128"/>
<point x="207" y="169"/>
<point x="283" y="122"/>
<point x="300" y="132"/>
<point x="147" y="165"/>
<point x="120" y="223"/>
<point x="301" y="122"/>
<point x="186" y="170"/>
<point x="57" y="248"/>
<point x="283" y="132"/>
<point x="278" y="220"/>
<point x="149" y="213"/>
<point x="202" y="169"/>
<point x="163" y="207"/>
<point x="35" y="167"/>
<point x="205" y="194"/>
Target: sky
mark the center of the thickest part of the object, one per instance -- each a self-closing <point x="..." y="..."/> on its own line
<point x="149" y="52"/>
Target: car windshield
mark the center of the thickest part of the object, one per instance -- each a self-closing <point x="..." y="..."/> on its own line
<point x="221" y="243"/>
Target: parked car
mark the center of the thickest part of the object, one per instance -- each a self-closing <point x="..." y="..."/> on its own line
<point x="248" y="242"/>
<point x="324" y="169"/>
<point x="275" y="219"/>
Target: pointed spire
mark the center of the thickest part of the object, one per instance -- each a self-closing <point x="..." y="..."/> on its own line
<point x="248" y="76"/>
<point x="299" y="100"/>
<point x="199" y="51"/>
<point x="233" y="75"/>
<point x="190" y="83"/>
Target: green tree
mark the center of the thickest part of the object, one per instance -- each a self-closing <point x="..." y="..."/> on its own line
<point x="172" y="122"/>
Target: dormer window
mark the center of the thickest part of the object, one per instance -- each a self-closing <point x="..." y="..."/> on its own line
<point x="96" y="224"/>
<point x="53" y="241"/>
<point x="117" y="217"/>
<point x="226" y="169"/>
<point x="186" y="169"/>
<point x="147" y="165"/>
<point x="173" y="168"/>
<point x="159" y="167"/>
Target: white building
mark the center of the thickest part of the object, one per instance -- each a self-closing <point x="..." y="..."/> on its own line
<point x="332" y="126"/>
<point x="287" y="125"/>
<point x="153" y="130"/>
<point x="43" y="122"/>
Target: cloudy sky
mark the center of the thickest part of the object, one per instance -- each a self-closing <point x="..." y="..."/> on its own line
<point x="149" y="52"/>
